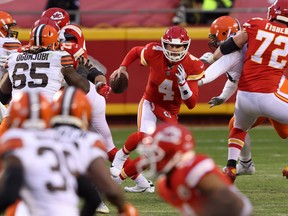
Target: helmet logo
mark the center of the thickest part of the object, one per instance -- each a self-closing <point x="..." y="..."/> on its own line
<point x="57" y="16"/>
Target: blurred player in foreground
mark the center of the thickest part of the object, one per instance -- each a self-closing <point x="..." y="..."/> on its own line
<point x="34" y="166"/>
<point x="190" y="182"/>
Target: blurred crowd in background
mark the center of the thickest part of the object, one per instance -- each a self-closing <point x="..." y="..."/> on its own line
<point x="136" y="13"/>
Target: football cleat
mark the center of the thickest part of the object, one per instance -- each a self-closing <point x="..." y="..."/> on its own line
<point x="141" y="189"/>
<point x="102" y="209"/>
<point x="285" y="172"/>
<point x="230" y="172"/>
<point x="245" y="168"/>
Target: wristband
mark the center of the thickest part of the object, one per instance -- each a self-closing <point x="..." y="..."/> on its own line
<point x="185" y="91"/>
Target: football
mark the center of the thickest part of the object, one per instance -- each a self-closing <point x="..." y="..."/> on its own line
<point x="119" y="84"/>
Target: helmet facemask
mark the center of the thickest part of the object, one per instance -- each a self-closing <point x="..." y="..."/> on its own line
<point x="172" y="55"/>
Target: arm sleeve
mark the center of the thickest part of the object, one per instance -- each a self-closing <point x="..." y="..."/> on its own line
<point x="132" y="55"/>
<point x="229" y="89"/>
<point x="11" y="184"/>
<point x="93" y="73"/>
<point x="220" y="67"/>
<point x="90" y="195"/>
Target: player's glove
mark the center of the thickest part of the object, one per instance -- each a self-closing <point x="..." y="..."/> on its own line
<point x="129" y="210"/>
<point x="103" y="89"/>
<point x="215" y="101"/>
<point x="184" y="88"/>
<point x="207" y="58"/>
<point x="181" y="75"/>
<point x="85" y="63"/>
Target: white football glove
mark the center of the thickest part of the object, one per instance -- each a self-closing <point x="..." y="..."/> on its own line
<point x="207" y="58"/>
<point x="181" y="75"/>
<point x="215" y="101"/>
<point x="3" y="60"/>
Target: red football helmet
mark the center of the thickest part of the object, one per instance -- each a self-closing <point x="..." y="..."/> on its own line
<point x="30" y="110"/>
<point x="278" y="11"/>
<point x="6" y="21"/>
<point x="72" y="107"/>
<point x="47" y="21"/>
<point x="44" y="36"/>
<point x="221" y="29"/>
<point x="175" y="35"/>
<point x="74" y="41"/>
<point x="169" y="145"/>
<point x="59" y="15"/>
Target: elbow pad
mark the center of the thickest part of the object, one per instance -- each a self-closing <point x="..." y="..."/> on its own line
<point x="228" y="46"/>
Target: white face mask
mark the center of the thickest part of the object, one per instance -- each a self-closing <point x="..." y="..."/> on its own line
<point x="61" y="36"/>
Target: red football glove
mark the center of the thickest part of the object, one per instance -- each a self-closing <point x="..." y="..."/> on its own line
<point x="129" y="210"/>
<point x="103" y="89"/>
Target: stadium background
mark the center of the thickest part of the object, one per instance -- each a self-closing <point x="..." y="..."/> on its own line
<point x="111" y="29"/>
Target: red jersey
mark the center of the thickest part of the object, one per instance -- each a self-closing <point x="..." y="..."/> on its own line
<point x="162" y="86"/>
<point x="181" y="188"/>
<point x="266" y="56"/>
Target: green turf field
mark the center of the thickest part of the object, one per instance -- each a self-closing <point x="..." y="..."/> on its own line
<point x="267" y="189"/>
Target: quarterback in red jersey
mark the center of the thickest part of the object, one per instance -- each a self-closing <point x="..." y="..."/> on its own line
<point x="265" y="63"/>
<point x="190" y="182"/>
<point x="172" y="80"/>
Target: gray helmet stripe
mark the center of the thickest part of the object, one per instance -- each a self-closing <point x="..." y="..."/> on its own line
<point x="38" y="35"/>
<point x="67" y="100"/>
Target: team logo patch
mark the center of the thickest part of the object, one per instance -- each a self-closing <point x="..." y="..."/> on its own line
<point x="57" y="16"/>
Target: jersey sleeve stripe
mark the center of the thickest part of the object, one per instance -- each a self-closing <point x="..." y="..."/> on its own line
<point x="142" y="59"/>
<point x="10" y="145"/>
<point x="199" y="171"/>
<point x="195" y="77"/>
<point x="66" y="60"/>
<point x="11" y="45"/>
<point x="100" y="145"/>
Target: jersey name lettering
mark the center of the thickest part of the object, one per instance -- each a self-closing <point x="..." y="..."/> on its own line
<point x="29" y="56"/>
<point x="276" y="29"/>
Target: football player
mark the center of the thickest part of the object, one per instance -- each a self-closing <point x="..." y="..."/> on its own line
<point x="262" y="79"/>
<point x="188" y="181"/>
<point x="172" y="81"/>
<point x="8" y="44"/>
<point x="233" y="63"/>
<point x="35" y="168"/>
<point x="40" y="67"/>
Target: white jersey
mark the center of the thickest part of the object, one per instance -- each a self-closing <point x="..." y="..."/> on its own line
<point x="8" y="46"/>
<point x="50" y="159"/>
<point x="232" y="65"/>
<point x="38" y="72"/>
<point x="89" y="145"/>
<point x="49" y="186"/>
